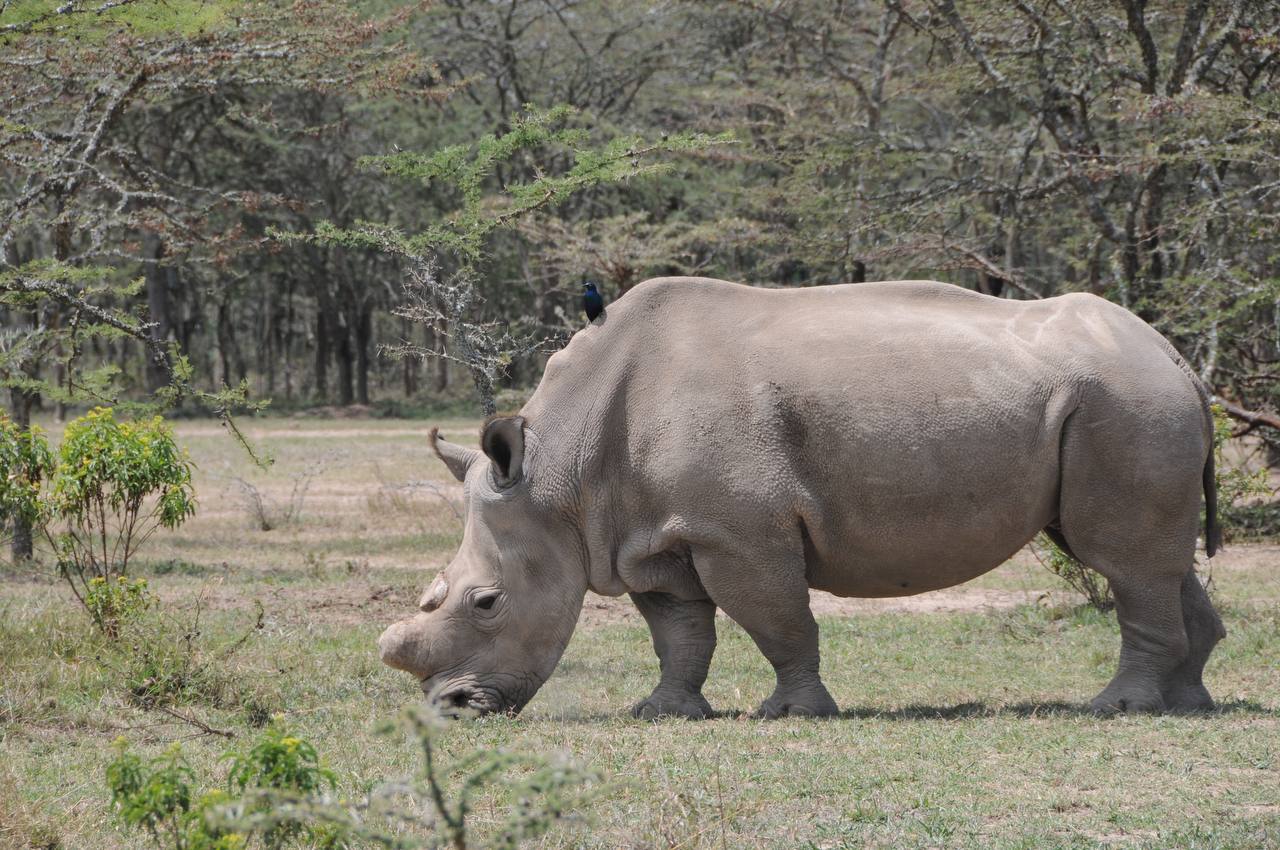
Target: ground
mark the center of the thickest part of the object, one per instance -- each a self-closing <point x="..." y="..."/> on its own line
<point x="962" y="723"/>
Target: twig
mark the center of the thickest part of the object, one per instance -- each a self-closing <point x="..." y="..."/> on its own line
<point x="205" y="728"/>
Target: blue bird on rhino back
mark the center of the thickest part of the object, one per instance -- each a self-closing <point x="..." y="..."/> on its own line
<point x="592" y="301"/>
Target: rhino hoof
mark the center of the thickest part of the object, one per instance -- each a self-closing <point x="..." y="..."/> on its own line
<point x="816" y="705"/>
<point x="691" y="706"/>
<point x="1108" y="705"/>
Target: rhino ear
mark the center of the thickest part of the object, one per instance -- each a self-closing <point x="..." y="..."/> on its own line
<point x="457" y="458"/>
<point x="503" y="442"/>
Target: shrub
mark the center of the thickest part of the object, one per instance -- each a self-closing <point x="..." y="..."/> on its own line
<point x="113" y="603"/>
<point x="25" y="463"/>
<point x="158" y="796"/>
<point x="279" y="795"/>
<point x="535" y="792"/>
<point x="164" y="659"/>
<point x="281" y="762"/>
<point x="1240" y="511"/>
<point x="115" y="484"/>
<point x="1090" y="584"/>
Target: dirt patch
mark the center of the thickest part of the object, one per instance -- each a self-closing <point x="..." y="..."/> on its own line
<point x="604" y="610"/>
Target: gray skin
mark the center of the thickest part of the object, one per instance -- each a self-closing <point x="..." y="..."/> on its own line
<point x="707" y="445"/>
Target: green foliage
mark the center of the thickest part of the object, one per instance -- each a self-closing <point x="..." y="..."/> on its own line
<point x="1243" y="494"/>
<point x="470" y="171"/>
<point x="159" y="796"/>
<point x="1080" y="578"/>
<point x="115" y="484"/>
<point x="279" y="795"/>
<point x="114" y="603"/>
<point x="25" y="463"/>
<point x="279" y="760"/>
<point x="110" y="468"/>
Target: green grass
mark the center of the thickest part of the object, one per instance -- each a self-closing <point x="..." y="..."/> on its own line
<point x="958" y="730"/>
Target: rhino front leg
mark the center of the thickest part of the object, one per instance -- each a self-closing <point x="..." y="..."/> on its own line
<point x="684" y="637"/>
<point x="767" y="594"/>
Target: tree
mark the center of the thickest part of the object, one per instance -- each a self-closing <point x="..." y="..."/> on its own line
<point x="90" y="191"/>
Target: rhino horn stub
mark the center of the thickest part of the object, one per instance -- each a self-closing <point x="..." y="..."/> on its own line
<point x="405" y="646"/>
<point x="435" y="595"/>
<point x="457" y="458"/>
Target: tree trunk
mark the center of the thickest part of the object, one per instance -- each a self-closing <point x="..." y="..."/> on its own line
<point x="322" y="356"/>
<point x="364" y="333"/>
<point x="286" y="342"/>
<point x="224" y="342"/>
<point x="409" y="364"/>
<point x="341" y="333"/>
<point x="438" y="340"/>
<point x="158" y="279"/>
<point x="20" y="547"/>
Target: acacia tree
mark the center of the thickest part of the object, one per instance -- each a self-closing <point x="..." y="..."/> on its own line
<point x="444" y="259"/>
<point x="84" y="205"/>
<point x="1027" y="148"/>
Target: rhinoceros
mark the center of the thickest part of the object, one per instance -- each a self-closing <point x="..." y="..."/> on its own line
<point x="705" y="445"/>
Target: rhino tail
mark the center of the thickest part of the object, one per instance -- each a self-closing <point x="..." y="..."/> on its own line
<point x="1212" y="533"/>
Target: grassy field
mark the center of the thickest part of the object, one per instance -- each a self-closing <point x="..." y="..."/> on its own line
<point x="963" y="722"/>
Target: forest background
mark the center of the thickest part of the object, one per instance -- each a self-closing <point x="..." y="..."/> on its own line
<point x="210" y="203"/>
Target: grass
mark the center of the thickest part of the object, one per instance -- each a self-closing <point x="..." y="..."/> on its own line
<point x="960" y="729"/>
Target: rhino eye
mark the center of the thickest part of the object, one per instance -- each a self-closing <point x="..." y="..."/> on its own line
<point x="486" y="601"/>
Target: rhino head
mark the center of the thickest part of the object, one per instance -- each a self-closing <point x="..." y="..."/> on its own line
<point x="492" y="626"/>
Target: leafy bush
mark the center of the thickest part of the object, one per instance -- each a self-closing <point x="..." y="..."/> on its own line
<point x="158" y="796"/>
<point x="1241" y="511"/>
<point x="1080" y="578"/>
<point x="281" y="762"/>
<point x="279" y="795"/>
<point x="116" y="483"/>
<point x="112" y="603"/>
<point x="100" y="497"/>
<point x="25" y="463"/>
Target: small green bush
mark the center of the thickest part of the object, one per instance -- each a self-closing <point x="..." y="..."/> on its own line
<point x="25" y="464"/>
<point x="113" y="603"/>
<point x="280" y="795"/>
<point x="100" y="497"/>
<point x="159" y="796"/>
<point x="115" y="484"/>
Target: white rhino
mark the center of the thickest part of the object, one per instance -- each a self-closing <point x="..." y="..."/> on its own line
<point x="709" y="445"/>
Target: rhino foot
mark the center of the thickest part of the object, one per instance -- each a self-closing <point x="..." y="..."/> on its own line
<point x="1115" y="700"/>
<point x="1189" y="698"/>
<point x="811" y="703"/>
<point x="672" y="704"/>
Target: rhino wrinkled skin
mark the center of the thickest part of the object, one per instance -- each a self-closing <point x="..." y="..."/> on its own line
<point x="707" y="445"/>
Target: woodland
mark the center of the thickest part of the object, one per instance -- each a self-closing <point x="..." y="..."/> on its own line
<point x="218" y="205"/>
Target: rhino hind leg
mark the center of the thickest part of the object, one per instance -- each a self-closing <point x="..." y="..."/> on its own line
<point x="766" y="593"/>
<point x="684" y="637"/>
<point x="1153" y="644"/>
<point x="1184" y="689"/>
<point x="1129" y="508"/>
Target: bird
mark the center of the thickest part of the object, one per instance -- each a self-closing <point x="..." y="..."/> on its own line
<point x="592" y="302"/>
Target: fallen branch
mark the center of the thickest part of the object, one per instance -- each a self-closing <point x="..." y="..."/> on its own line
<point x="1252" y="418"/>
<point x="196" y="722"/>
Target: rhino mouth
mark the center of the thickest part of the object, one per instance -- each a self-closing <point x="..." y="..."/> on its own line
<point x="456" y="699"/>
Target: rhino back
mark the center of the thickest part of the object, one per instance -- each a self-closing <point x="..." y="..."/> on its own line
<point x="906" y="433"/>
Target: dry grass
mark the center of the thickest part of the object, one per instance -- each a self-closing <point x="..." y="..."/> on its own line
<point x="962" y="724"/>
